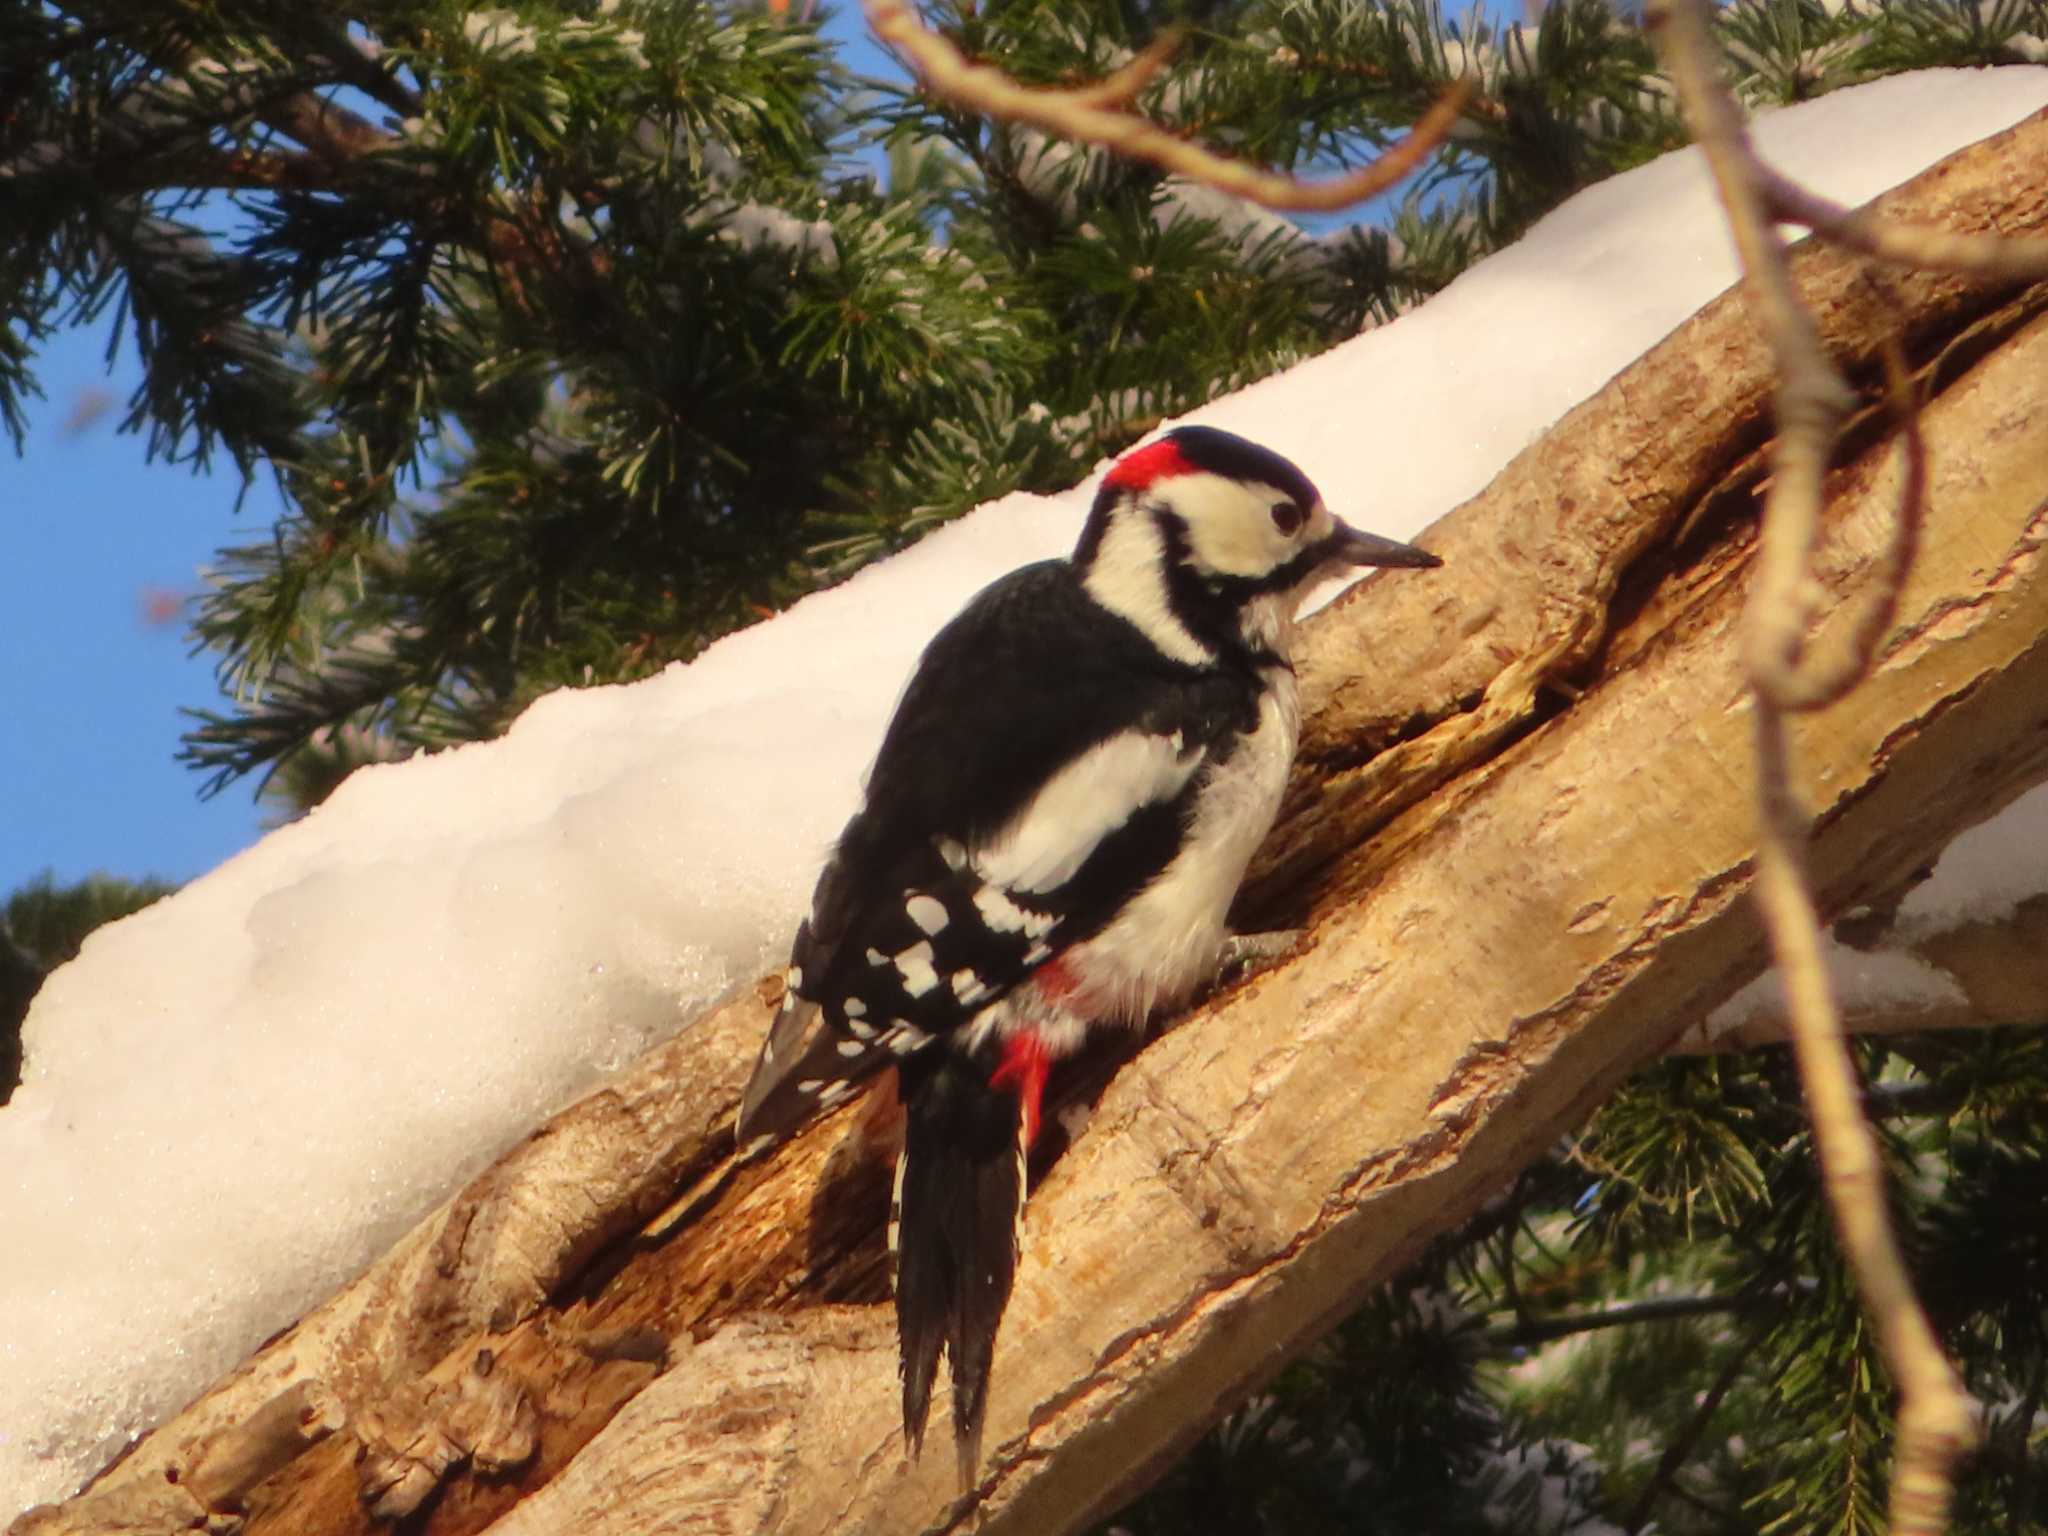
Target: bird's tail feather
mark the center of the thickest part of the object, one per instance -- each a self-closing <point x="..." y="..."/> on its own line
<point x="959" y="1194"/>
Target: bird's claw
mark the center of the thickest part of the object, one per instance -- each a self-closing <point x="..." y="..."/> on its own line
<point x="1246" y="955"/>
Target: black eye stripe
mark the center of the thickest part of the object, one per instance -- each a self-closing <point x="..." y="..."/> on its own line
<point x="1288" y="516"/>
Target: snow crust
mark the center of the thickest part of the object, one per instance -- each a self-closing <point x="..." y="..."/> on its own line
<point x="1986" y="872"/>
<point x="237" y="1098"/>
<point x="1873" y="981"/>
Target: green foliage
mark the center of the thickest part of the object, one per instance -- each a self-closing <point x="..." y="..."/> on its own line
<point x="1924" y="34"/>
<point x="20" y="979"/>
<point x="42" y="925"/>
<point x="51" y="922"/>
<point x="1384" y="1428"/>
<point x="1660" y="1308"/>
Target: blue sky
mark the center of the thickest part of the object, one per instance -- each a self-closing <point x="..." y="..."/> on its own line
<point x="91" y="541"/>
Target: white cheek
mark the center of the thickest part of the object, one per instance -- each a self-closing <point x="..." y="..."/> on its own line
<point x="1230" y="528"/>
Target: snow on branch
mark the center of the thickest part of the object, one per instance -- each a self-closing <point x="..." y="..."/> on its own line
<point x="1098" y="114"/>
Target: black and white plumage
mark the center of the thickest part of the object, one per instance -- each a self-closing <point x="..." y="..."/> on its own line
<point x="1060" y="814"/>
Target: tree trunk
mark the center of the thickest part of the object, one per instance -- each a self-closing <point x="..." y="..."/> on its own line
<point x="1520" y="838"/>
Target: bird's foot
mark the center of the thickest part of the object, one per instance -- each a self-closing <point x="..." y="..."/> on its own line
<point x="1245" y="955"/>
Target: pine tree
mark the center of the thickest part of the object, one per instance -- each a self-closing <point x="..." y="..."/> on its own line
<point x="573" y="339"/>
<point x="576" y="333"/>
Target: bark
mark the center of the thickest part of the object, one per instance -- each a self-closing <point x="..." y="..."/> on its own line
<point x="1520" y="838"/>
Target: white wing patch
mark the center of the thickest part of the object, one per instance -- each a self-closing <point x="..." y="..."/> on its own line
<point x="905" y="1038"/>
<point x="1082" y="804"/>
<point x="928" y="912"/>
<point x="1004" y="915"/>
<point x="896" y="1205"/>
<point x="1165" y="939"/>
<point x="915" y="967"/>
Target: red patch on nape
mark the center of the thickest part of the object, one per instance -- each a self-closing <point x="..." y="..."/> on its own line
<point x="1144" y="466"/>
<point x="1025" y="1066"/>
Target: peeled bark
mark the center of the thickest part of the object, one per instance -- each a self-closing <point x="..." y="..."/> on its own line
<point x="1547" y="746"/>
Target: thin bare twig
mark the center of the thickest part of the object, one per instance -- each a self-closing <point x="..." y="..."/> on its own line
<point x="1824" y="675"/>
<point x="1909" y="245"/>
<point x="1096" y="114"/>
<point x="1788" y="674"/>
<point x="1120" y="88"/>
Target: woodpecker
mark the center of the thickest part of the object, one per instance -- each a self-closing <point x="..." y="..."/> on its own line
<point x="1061" y="811"/>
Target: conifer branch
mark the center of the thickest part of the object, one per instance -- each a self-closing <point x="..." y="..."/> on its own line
<point x="334" y="141"/>
<point x="1479" y="103"/>
<point x="354" y="61"/>
<point x="144" y="122"/>
<point x="1661" y="1309"/>
<point x="1095" y="115"/>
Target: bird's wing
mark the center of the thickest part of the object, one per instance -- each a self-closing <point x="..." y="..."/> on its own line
<point x="990" y="839"/>
<point x="943" y="930"/>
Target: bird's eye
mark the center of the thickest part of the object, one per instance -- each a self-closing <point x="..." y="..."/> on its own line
<point x="1287" y="517"/>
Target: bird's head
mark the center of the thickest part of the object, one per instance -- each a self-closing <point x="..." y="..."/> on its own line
<point x="1207" y="542"/>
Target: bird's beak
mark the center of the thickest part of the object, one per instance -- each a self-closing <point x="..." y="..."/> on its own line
<point x="1352" y="546"/>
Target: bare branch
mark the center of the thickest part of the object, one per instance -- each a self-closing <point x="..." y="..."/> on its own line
<point x="1935" y="1420"/>
<point x="1860" y="230"/>
<point x="1121" y="88"/>
<point x="1094" y="115"/>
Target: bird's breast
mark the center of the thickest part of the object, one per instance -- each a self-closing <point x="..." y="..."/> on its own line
<point x="1166" y="941"/>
